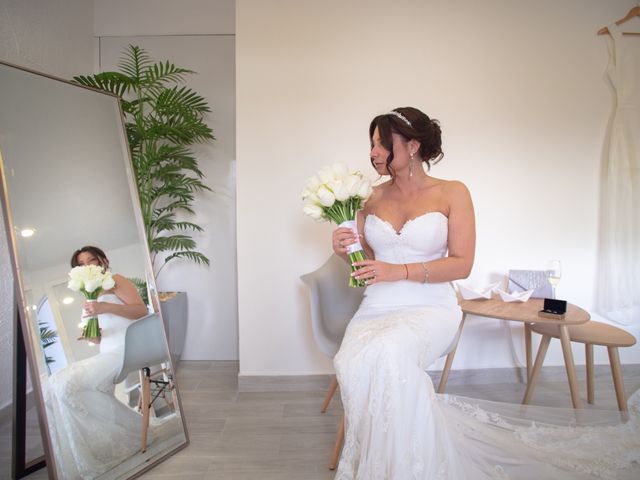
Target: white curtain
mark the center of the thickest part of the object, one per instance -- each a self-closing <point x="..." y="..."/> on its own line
<point x="618" y="289"/>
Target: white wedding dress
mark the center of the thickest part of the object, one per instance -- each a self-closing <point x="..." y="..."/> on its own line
<point x="91" y="430"/>
<point x="398" y="428"/>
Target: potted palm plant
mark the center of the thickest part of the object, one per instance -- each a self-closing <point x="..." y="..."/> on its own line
<point x="163" y="119"/>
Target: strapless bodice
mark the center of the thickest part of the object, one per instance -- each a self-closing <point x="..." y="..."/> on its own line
<point x="113" y="326"/>
<point x="420" y="239"/>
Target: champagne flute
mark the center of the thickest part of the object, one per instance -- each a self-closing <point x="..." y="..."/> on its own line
<point x="554" y="272"/>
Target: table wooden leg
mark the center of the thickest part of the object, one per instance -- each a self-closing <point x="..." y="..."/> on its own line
<point x="527" y="348"/>
<point x="565" y="340"/>
<point x="449" y="361"/>
<point x="531" y="383"/>
<point x="618" y="382"/>
<point x="588" y="355"/>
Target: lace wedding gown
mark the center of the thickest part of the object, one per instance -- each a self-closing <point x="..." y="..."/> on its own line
<point x="91" y="430"/>
<point x="398" y="428"/>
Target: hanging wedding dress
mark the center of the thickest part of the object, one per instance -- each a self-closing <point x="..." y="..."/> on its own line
<point x="619" y="256"/>
<point x="398" y="428"/>
<point x="91" y="430"/>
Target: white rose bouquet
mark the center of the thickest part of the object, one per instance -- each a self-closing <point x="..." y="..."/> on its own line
<point x="90" y="280"/>
<point x="336" y="194"/>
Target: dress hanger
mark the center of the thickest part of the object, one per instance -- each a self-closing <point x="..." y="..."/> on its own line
<point x="634" y="12"/>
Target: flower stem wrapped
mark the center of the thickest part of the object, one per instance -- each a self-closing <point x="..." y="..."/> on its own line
<point x="91" y="281"/>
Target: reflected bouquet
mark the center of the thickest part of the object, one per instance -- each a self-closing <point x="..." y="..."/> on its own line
<point x="336" y="194"/>
<point x="90" y="280"/>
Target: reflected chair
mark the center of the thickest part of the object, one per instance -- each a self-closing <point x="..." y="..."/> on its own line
<point x="145" y="348"/>
<point x="333" y="304"/>
<point x="590" y="333"/>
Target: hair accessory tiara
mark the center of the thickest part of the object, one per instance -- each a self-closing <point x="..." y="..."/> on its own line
<point x="400" y="116"/>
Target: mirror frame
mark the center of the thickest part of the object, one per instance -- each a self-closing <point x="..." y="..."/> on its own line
<point x="20" y="303"/>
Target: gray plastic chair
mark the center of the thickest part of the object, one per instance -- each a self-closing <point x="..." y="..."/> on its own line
<point x="144" y="347"/>
<point x="333" y="304"/>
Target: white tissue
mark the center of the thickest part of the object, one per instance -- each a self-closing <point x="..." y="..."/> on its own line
<point x="477" y="293"/>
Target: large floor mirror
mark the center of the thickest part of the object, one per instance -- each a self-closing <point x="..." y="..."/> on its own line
<point x="108" y="409"/>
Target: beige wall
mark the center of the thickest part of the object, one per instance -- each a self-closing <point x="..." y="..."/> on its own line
<point x="519" y="89"/>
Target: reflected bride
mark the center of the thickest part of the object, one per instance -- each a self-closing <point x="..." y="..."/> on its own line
<point x="93" y="431"/>
<point x="90" y="422"/>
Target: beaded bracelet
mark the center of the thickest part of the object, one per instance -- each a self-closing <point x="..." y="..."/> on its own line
<point x="426" y="273"/>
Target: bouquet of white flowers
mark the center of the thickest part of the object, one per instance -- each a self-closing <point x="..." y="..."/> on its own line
<point x="90" y="280"/>
<point x="336" y="194"/>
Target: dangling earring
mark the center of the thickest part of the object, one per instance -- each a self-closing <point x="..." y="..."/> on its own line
<point x="411" y="162"/>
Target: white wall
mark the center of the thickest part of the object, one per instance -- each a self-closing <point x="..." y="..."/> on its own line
<point x="54" y="37"/>
<point x="519" y="89"/>
<point x="198" y="35"/>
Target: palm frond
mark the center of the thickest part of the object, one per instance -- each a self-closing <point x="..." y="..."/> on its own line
<point x="112" y="82"/>
<point x="161" y="73"/>
<point x="176" y="99"/>
<point x="47" y="338"/>
<point x="194" y="256"/>
<point x="173" y="242"/>
<point x="163" y="118"/>
<point x="134" y="62"/>
<point x="184" y="226"/>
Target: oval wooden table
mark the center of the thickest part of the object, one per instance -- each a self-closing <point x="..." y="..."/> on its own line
<point x="527" y="313"/>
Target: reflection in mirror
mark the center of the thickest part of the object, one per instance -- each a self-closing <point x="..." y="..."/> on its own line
<point x="109" y="409"/>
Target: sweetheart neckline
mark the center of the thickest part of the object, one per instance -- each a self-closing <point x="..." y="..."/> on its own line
<point x="404" y="225"/>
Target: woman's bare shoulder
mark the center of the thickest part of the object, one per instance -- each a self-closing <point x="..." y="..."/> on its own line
<point x="376" y="194"/>
<point x="455" y="187"/>
<point x="121" y="282"/>
<point x="450" y="188"/>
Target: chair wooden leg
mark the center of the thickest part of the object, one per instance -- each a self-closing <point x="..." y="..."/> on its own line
<point x="527" y="348"/>
<point x="588" y="354"/>
<point x="542" y="351"/>
<point x="337" y="446"/>
<point x="449" y="361"/>
<point x="146" y="400"/>
<point x="329" y="395"/>
<point x="618" y="382"/>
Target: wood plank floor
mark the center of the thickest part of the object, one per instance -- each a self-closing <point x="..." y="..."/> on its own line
<point x="242" y="435"/>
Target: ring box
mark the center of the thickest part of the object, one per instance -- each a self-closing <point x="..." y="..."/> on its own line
<point x="553" y="308"/>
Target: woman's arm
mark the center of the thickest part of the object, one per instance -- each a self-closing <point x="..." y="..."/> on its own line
<point x="461" y="240"/>
<point x="126" y="291"/>
<point x="461" y="246"/>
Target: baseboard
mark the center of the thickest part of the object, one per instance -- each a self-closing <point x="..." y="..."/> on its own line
<point x="482" y="376"/>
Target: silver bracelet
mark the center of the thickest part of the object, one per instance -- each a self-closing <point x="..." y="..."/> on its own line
<point x="426" y="272"/>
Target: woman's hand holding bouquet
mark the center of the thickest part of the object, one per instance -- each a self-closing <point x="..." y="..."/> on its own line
<point x="91" y="281"/>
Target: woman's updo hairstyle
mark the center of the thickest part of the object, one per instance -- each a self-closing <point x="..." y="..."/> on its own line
<point x="95" y="251"/>
<point x="412" y="124"/>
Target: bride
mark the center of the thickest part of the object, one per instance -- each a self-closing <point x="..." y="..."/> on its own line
<point x="419" y="234"/>
<point x="91" y="430"/>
